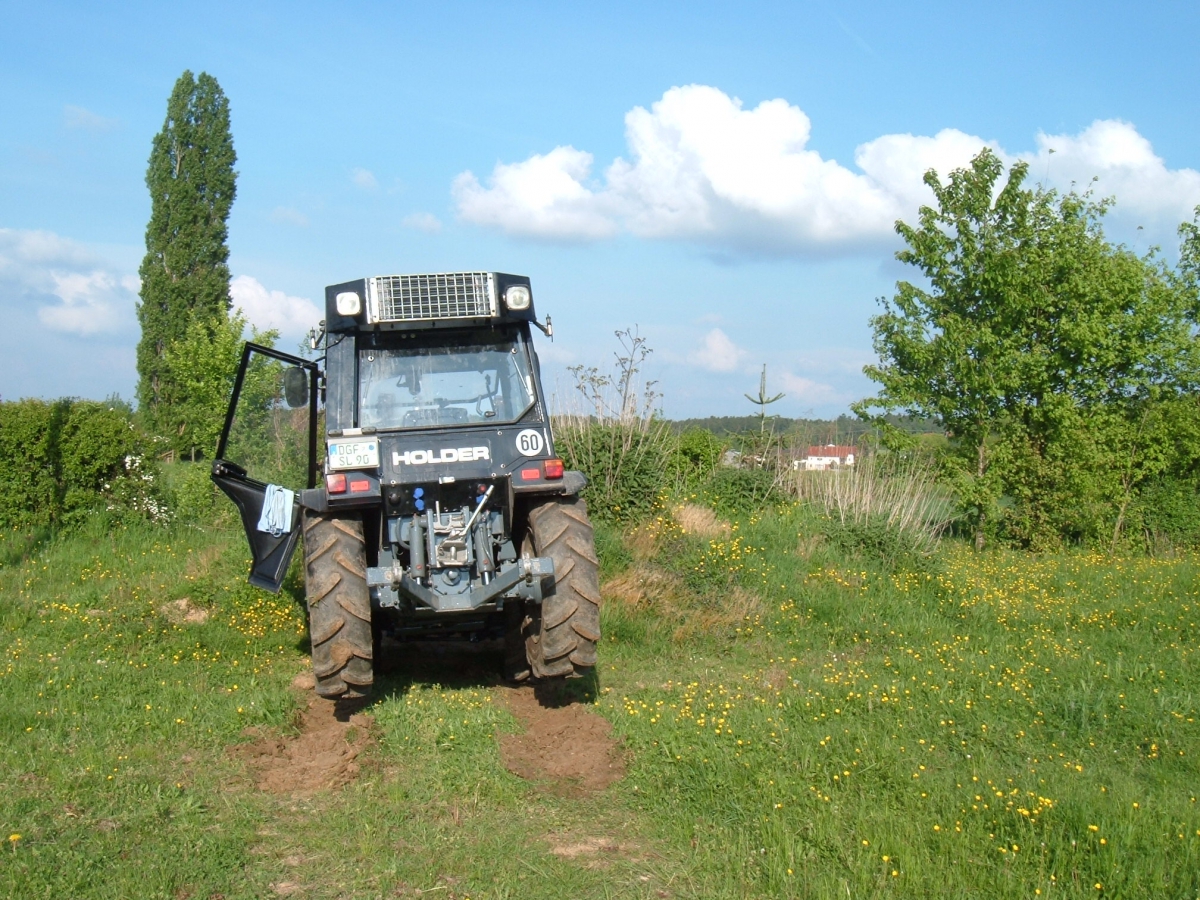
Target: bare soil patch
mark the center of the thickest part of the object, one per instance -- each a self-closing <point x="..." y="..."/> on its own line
<point x="569" y="746"/>
<point x="321" y="757"/>
<point x="183" y="612"/>
<point x="569" y="847"/>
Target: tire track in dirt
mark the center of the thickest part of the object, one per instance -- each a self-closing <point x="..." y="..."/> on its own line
<point x="321" y="757"/>
<point x="567" y="746"/>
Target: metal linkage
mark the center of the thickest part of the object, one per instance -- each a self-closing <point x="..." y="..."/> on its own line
<point x="524" y="577"/>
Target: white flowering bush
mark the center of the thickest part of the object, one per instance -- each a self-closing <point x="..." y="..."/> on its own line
<point x="136" y="493"/>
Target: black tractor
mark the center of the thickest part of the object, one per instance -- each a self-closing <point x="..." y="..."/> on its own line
<point x="415" y="457"/>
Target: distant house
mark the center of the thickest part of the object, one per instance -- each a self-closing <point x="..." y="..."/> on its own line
<point x="830" y="456"/>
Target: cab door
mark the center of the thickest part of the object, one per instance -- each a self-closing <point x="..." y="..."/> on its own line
<point x="267" y="454"/>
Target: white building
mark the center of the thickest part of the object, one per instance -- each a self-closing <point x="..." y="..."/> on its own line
<point x="830" y="456"/>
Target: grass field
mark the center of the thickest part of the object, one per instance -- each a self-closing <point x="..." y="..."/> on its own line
<point x="795" y="723"/>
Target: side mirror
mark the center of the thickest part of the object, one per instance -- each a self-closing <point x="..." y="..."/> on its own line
<point x="295" y="387"/>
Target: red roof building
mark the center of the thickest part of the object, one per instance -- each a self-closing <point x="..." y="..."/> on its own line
<point x="829" y="456"/>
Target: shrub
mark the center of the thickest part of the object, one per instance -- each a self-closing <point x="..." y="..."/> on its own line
<point x="626" y="463"/>
<point x="1168" y="512"/>
<point x="63" y="460"/>
<point x="734" y="492"/>
<point x="697" y="454"/>
<point x="194" y="497"/>
<point x="29" y="464"/>
<point x="609" y="431"/>
<point x="875" y="538"/>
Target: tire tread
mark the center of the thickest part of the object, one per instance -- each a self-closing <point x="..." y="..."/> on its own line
<point x="339" y="605"/>
<point x="562" y="640"/>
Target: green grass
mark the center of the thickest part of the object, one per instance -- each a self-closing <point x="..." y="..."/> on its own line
<point x="997" y="726"/>
<point x="991" y="726"/>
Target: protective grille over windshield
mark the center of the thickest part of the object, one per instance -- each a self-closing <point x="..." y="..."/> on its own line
<point x="458" y="295"/>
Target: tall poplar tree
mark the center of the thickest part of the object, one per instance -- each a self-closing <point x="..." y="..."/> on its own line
<point x="185" y="274"/>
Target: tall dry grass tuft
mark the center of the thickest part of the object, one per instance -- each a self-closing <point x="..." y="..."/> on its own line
<point x="699" y="520"/>
<point x="648" y="587"/>
<point x="901" y="495"/>
<point x="607" y="428"/>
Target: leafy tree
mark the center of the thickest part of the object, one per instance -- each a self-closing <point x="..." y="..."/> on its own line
<point x="203" y="365"/>
<point x="950" y="352"/>
<point x="185" y="273"/>
<point x="1044" y="350"/>
<point x="1189" y="255"/>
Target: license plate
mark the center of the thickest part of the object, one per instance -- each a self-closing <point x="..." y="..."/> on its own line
<point x="354" y="454"/>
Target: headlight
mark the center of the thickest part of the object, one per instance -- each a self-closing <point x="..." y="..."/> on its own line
<point x="349" y="304"/>
<point x="516" y="297"/>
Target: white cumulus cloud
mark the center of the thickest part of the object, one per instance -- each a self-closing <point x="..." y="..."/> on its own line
<point x="1125" y="166"/>
<point x="69" y="317"/>
<point x="544" y="196"/>
<point x="72" y="289"/>
<point x="898" y="162"/>
<point x="799" y="389"/>
<point x="718" y="353"/>
<point x="703" y="167"/>
<point x="267" y="309"/>
<point x="92" y="302"/>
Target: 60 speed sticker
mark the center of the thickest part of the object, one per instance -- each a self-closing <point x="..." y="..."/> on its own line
<point x="529" y="442"/>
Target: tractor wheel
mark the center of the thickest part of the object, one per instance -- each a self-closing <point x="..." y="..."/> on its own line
<point x="516" y="663"/>
<point x="339" y="605"/>
<point x="561" y="637"/>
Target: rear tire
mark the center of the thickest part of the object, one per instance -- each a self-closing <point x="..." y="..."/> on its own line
<point x="516" y="663"/>
<point x="339" y="605"/>
<point x="561" y="636"/>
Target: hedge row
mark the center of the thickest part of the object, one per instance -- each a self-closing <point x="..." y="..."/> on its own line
<point x="64" y="459"/>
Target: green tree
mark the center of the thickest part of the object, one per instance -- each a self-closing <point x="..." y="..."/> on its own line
<point x="203" y="365"/>
<point x="1189" y="258"/>
<point x="185" y="274"/>
<point x="1044" y="350"/>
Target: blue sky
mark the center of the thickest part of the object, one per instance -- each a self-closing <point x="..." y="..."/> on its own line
<point x="723" y="176"/>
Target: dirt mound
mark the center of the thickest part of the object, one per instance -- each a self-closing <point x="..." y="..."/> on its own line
<point x="569" y="746"/>
<point x="320" y="757"/>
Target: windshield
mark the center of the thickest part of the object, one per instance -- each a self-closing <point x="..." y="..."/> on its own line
<point x="418" y="386"/>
